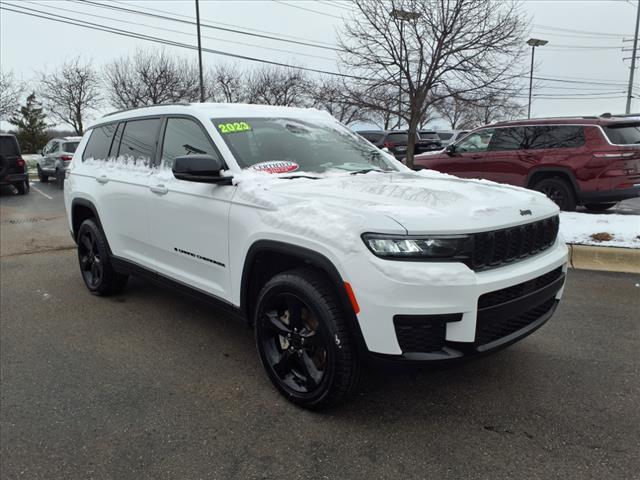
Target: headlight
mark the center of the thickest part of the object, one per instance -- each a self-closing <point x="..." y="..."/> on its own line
<point x="416" y="247"/>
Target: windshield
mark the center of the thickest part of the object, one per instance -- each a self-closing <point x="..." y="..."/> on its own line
<point x="279" y="145"/>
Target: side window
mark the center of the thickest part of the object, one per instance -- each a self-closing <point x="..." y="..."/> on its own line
<point x="184" y="137"/>
<point x="554" y="136"/>
<point x="139" y="139"/>
<point x="509" y="138"/>
<point x="99" y="143"/>
<point x="55" y="147"/>
<point x="46" y="148"/>
<point x="476" y="142"/>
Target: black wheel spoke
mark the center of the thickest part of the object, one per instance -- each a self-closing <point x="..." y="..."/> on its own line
<point x="312" y="374"/>
<point x="84" y="262"/>
<point x="311" y="339"/>
<point x="274" y="322"/>
<point x="283" y="365"/>
<point x="294" y="307"/>
<point x="87" y="244"/>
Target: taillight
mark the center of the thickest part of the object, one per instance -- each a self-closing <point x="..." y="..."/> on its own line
<point x="614" y="154"/>
<point x="66" y="158"/>
<point x="20" y="162"/>
<point x="389" y="144"/>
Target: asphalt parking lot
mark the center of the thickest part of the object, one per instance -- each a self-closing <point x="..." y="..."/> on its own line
<point x="152" y="384"/>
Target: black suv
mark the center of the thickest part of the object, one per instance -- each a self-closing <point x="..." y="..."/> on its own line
<point x="13" y="170"/>
<point x="396" y="141"/>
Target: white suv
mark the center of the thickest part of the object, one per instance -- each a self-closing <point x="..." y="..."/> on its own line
<point x="332" y="249"/>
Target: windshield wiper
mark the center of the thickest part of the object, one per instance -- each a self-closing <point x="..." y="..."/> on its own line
<point x="290" y="177"/>
<point x="367" y="170"/>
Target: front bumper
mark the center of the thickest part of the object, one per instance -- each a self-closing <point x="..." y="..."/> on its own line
<point x="445" y="311"/>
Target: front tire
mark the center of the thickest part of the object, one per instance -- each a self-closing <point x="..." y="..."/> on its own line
<point x="95" y="261"/>
<point x="600" y="207"/>
<point x="42" y="176"/>
<point x="303" y="340"/>
<point x="559" y="191"/>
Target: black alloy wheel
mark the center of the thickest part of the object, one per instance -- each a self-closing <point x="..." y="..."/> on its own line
<point x="559" y="192"/>
<point x="95" y="261"/>
<point x="303" y="339"/>
<point x="293" y="343"/>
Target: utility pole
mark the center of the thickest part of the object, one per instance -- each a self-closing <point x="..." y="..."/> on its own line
<point x="534" y="42"/>
<point x="199" y="52"/>
<point x="633" y="62"/>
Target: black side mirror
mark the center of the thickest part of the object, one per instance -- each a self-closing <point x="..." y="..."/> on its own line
<point x="199" y="168"/>
<point x="451" y="149"/>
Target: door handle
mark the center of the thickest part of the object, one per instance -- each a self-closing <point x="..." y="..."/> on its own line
<point x="102" y="179"/>
<point x="159" y="189"/>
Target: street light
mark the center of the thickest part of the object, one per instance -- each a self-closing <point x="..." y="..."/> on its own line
<point x="402" y="15"/>
<point x="534" y="42"/>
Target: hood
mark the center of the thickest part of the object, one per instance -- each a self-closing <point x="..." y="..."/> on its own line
<point x="423" y="202"/>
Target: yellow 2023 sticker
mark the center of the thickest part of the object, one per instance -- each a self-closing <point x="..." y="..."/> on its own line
<point x="234" y="127"/>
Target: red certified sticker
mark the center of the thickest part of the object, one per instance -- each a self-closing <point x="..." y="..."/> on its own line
<point x="280" y="166"/>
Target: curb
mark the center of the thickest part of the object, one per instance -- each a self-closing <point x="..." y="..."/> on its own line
<point x="610" y="259"/>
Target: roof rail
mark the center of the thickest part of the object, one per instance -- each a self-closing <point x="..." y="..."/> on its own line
<point x="182" y="104"/>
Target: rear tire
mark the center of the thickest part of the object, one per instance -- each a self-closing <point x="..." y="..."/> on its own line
<point x="559" y="191"/>
<point x="95" y="261"/>
<point x="22" y="187"/>
<point x="599" y="207"/>
<point x="59" y="179"/>
<point x="303" y="340"/>
<point x="41" y="176"/>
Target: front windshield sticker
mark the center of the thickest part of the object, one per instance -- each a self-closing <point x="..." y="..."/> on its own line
<point x="280" y="166"/>
<point x="234" y="127"/>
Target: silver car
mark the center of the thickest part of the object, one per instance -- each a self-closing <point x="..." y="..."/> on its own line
<point x="56" y="156"/>
<point x="451" y="136"/>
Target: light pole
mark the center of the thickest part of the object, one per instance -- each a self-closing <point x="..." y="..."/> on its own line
<point x="199" y="52"/>
<point x="633" y="62"/>
<point x="534" y="42"/>
<point x="402" y="15"/>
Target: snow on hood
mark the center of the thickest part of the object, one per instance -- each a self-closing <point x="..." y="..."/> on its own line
<point x="422" y="202"/>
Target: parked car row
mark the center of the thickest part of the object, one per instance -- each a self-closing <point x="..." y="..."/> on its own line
<point x="397" y="141"/>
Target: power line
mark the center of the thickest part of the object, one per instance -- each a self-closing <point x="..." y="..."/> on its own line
<point x="117" y="31"/>
<point x="94" y="15"/>
<point x="587" y="32"/>
<point x="206" y="25"/>
<point x="307" y="9"/>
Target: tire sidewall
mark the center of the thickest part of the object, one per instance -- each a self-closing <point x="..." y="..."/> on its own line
<point x="569" y="203"/>
<point x="306" y="292"/>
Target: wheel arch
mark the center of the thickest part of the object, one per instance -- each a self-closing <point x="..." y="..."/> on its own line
<point x="540" y="174"/>
<point x="266" y="258"/>
<point x="82" y="209"/>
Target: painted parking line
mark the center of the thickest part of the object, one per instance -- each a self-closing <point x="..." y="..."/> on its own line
<point x="41" y="192"/>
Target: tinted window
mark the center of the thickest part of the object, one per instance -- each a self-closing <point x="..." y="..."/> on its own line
<point x="115" y="144"/>
<point x="623" y="134"/>
<point x="476" y="142"/>
<point x="9" y="147"/>
<point x="445" y="136"/>
<point x="429" y="136"/>
<point x="400" y="137"/>
<point x="184" y="137"/>
<point x="70" y="147"/>
<point x="55" y="147"/>
<point x="372" y="137"/>
<point x="553" y="136"/>
<point x="99" y="143"/>
<point x="139" y="139"/>
<point x="507" y="139"/>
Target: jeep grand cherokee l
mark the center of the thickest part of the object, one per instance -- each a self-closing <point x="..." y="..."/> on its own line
<point x="334" y="252"/>
<point x="590" y="161"/>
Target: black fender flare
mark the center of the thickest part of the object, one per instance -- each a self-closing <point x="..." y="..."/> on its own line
<point x="309" y="257"/>
<point x="83" y="202"/>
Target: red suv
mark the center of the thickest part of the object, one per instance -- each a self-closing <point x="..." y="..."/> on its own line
<point x="590" y="161"/>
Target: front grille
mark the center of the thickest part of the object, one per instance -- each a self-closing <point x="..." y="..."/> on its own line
<point x="500" y="247"/>
<point x="489" y="328"/>
<point x="420" y="337"/>
<point x="501" y="296"/>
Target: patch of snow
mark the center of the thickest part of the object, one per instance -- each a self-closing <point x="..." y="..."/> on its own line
<point x="578" y="227"/>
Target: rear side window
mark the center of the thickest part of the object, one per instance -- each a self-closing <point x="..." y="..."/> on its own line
<point x="70" y="147"/>
<point x="9" y="147"/>
<point x="401" y="138"/>
<point x="553" y="136"/>
<point x="444" y="136"/>
<point x="429" y="136"/>
<point x="183" y="136"/>
<point x="99" y="143"/>
<point x="139" y="139"/>
<point x="55" y="147"/>
<point x="624" y="134"/>
<point x="510" y="138"/>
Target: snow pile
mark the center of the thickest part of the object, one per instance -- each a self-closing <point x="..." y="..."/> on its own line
<point x="581" y="228"/>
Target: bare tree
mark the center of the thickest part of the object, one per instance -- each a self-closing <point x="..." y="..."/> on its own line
<point x="284" y="86"/>
<point x="71" y="92"/>
<point x="226" y="83"/>
<point x="10" y="92"/>
<point x="333" y="96"/>
<point x="456" y="111"/>
<point x="433" y="49"/>
<point x="151" y="77"/>
<point x="379" y="104"/>
<point x="494" y="109"/>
